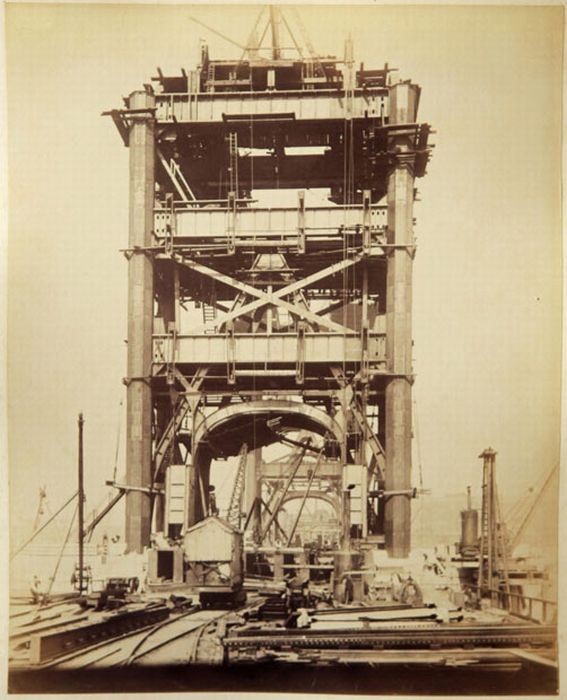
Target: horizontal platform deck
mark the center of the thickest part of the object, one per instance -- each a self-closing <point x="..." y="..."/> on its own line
<point x="296" y="104"/>
<point x="269" y="349"/>
<point x="208" y="222"/>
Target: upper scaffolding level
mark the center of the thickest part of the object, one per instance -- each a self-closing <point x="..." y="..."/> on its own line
<point x="279" y="121"/>
<point x="271" y="88"/>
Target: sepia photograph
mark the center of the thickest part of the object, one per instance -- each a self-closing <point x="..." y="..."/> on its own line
<point x="284" y="343"/>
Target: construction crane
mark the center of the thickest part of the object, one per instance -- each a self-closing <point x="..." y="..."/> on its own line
<point x="521" y="528"/>
<point x="493" y="555"/>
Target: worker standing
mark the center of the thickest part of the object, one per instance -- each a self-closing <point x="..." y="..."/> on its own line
<point x="36" y="590"/>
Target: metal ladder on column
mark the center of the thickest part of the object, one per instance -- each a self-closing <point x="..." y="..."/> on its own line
<point x="484" y="565"/>
<point x="233" y="163"/>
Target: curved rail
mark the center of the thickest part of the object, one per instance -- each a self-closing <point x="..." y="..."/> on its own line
<point x="129" y="650"/>
<point x="196" y="633"/>
<point x="155" y="629"/>
<point x="133" y="656"/>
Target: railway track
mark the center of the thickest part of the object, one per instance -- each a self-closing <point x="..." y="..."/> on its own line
<point x="153" y="644"/>
<point x="188" y="637"/>
<point x="197" y="636"/>
<point x="176" y="643"/>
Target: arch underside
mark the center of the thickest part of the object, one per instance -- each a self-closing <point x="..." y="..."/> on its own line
<point x="258" y="424"/>
<point x="332" y="500"/>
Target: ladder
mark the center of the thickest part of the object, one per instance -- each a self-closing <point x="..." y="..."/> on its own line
<point x="167" y="439"/>
<point x="233" y="163"/>
<point x="211" y="78"/>
<point x="234" y="513"/>
<point x="484" y="573"/>
<point x="209" y="313"/>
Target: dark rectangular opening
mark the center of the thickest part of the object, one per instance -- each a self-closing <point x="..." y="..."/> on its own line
<point x="165" y="565"/>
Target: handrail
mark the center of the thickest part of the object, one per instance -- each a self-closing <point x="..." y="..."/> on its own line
<point x="507" y="596"/>
<point x="290" y="334"/>
<point x="513" y="595"/>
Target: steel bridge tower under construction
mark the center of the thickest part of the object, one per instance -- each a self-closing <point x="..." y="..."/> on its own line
<point x="304" y="332"/>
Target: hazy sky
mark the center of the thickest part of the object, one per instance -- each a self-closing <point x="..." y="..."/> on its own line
<point x="488" y="268"/>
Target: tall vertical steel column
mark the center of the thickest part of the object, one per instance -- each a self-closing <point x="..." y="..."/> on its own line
<point x="397" y="515"/>
<point x="140" y="321"/>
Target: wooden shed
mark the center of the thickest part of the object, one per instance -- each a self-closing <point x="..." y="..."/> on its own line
<point x="213" y="551"/>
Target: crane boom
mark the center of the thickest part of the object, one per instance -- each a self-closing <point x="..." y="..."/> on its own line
<point x="520" y="531"/>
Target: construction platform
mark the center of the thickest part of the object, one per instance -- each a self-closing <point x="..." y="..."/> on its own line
<point x="153" y="633"/>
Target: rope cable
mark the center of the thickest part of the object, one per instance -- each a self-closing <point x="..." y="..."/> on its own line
<point x="52" y="579"/>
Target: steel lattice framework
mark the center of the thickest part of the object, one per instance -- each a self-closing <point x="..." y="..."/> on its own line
<point x="306" y="309"/>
